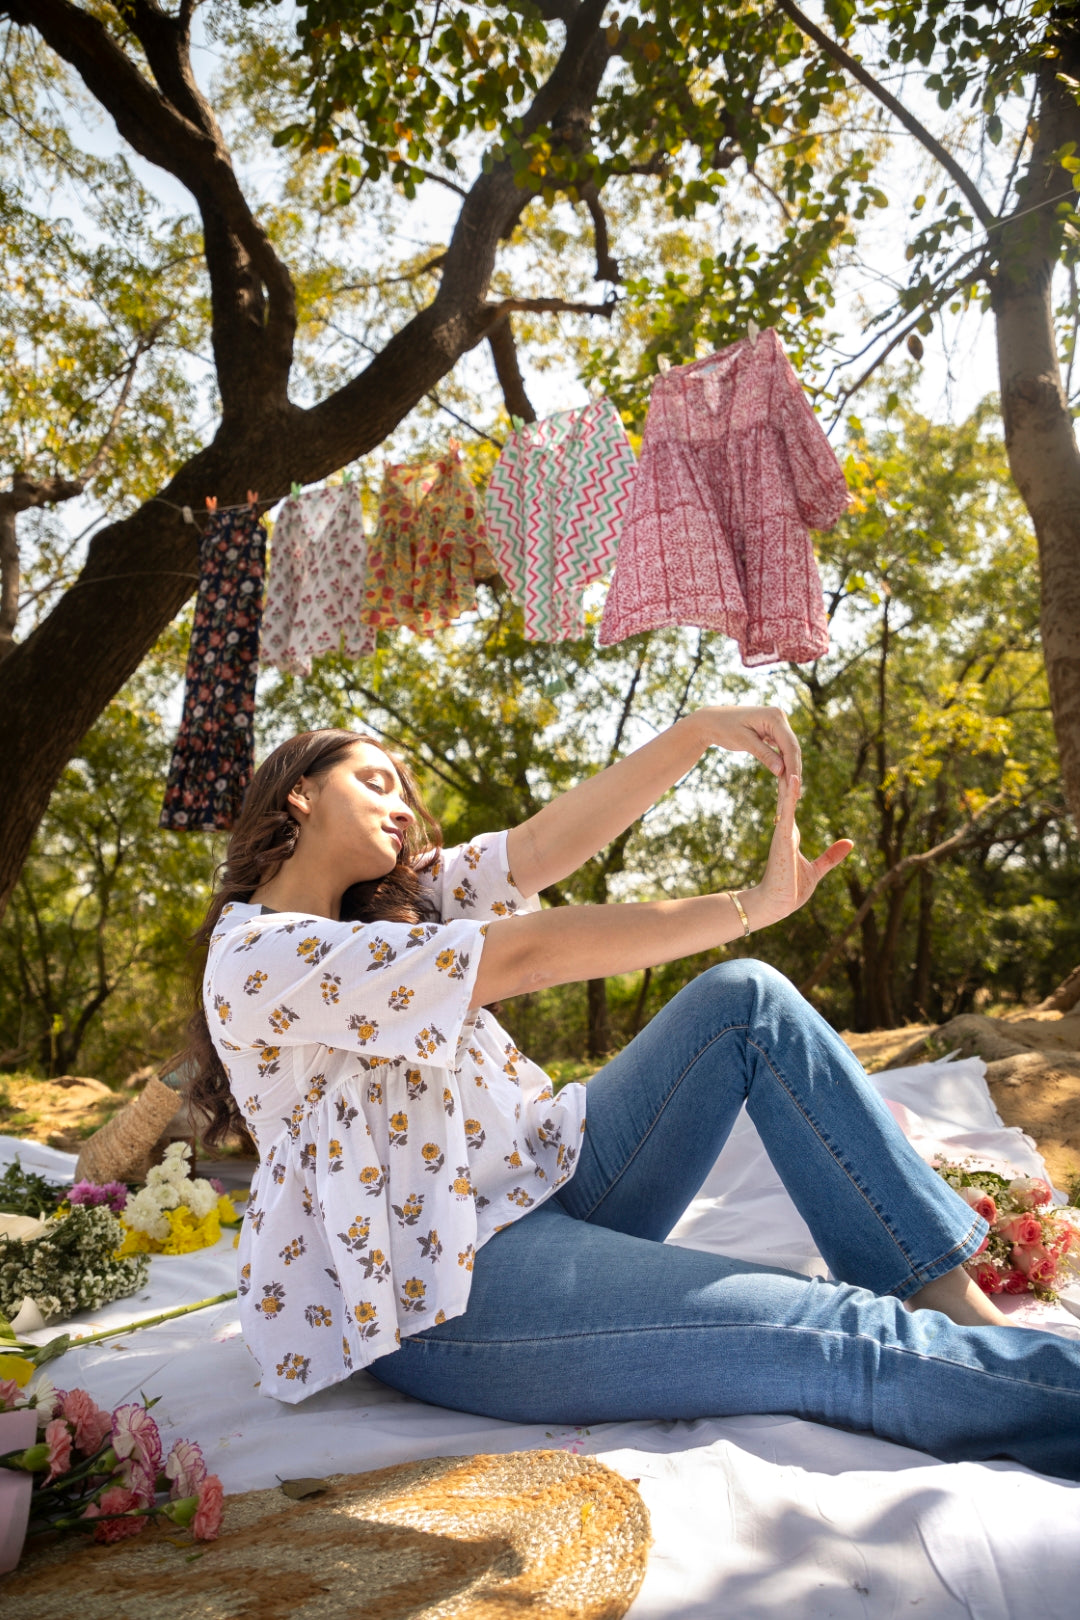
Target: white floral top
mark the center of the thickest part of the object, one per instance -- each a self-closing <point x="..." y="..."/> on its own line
<point x="396" y="1130"/>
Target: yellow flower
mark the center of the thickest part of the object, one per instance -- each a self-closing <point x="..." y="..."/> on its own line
<point x="399" y="1122"/>
<point x="227" y="1212"/>
<point x="430" y="1150"/>
<point x="365" y="1311"/>
<point x="17" y="1368"/>
<point x="414" y="1288"/>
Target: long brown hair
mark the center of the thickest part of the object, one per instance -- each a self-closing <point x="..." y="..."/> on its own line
<point x="262" y="841"/>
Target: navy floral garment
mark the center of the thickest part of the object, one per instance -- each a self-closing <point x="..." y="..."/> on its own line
<point x="213" y="756"/>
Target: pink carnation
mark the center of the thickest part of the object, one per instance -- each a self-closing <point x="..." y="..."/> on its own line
<point x="1037" y="1264"/>
<point x="135" y="1436"/>
<point x="1026" y="1228"/>
<point x="206" y="1524"/>
<point x="92" y="1425"/>
<point x="186" y="1468"/>
<point x="981" y="1202"/>
<point x="9" y="1394"/>
<point x="58" y="1440"/>
<point x="115" y="1500"/>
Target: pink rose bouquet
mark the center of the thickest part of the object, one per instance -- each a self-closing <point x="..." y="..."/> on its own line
<point x="106" y="1472"/>
<point x="1033" y="1246"/>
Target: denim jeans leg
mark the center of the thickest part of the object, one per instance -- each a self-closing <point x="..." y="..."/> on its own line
<point x="571" y="1322"/>
<point x="659" y="1113"/>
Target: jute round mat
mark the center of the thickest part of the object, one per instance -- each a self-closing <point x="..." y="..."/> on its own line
<point x="542" y="1534"/>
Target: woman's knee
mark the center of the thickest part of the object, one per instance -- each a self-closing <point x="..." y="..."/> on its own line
<point x="747" y="981"/>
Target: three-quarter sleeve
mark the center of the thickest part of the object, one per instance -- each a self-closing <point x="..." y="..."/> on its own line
<point x="473" y="881"/>
<point x="387" y="990"/>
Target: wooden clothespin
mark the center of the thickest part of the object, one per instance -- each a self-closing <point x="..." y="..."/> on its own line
<point x="346" y="475"/>
<point x="753" y="332"/>
<point x="211" y="503"/>
<point x="517" y="423"/>
<point x="663" y="364"/>
<point x="295" y="489"/>
<point x="253" y="499"/>
<point x="455" y="448"/>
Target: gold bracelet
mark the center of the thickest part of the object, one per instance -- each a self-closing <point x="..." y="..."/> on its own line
<point x="743" y="918"/>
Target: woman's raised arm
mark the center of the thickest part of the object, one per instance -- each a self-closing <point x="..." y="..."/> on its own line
<point x="572" y="828"/>
<point x="570" y="943"/>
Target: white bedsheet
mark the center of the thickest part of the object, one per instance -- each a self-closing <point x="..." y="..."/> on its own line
<point x="752" y="1517"/>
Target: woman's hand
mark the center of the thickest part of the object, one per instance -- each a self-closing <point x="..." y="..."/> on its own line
<point x="763" y="732"/>
<point x="789" y="879"/>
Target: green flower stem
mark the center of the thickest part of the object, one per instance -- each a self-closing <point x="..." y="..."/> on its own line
<point x="39" y="1354"/>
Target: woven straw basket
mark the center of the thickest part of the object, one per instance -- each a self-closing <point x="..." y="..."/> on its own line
<point x="532" y="1535"/>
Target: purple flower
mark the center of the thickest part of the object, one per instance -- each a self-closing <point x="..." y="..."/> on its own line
<point x="113" y="1193"/>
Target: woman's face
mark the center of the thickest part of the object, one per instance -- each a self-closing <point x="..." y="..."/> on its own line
<point x="354" y="815"/>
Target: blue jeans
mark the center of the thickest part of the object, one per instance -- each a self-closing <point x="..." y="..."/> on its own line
<point x="581" y="1314"/>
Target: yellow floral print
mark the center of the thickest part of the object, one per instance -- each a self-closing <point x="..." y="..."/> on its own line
<point x="317" y="1316"/>
<point x="399" y="999"/>
<point x="414" y="1295"/>
<point x="330" y="988"/>
<point x="293" y="1250"/>
<point x="282" y="1019"/>
<point x="409" y="1212"/>
<point x="223" y="1009"/>
<point x="333" y="1153"/>
<point x="293" y="1365"/>
<point x="433" y="1156"/>
<point x="382" y="954"/>
<point x="273" y="1301"/>
<point x="365" y="1029"/>
<point x="415" y="1084"/>
<point x="313" y="950"/>
<point x="254" y="982"/>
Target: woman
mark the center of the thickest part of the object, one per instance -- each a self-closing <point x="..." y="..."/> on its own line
<point x="426" y="1207"/>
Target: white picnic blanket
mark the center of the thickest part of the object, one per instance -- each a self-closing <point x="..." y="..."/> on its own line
<point x="760" y="1518"/>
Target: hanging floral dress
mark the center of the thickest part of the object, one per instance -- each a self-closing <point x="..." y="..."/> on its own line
<point x="213" y="755"/>
<point x="428" y="550"/>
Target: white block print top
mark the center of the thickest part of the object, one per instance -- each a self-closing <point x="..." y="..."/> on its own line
<point x="396" y="1130"/>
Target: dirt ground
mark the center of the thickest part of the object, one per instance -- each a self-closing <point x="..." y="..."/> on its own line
<point x="1032" y="1069"/>
<point x="1032" y="1058"/>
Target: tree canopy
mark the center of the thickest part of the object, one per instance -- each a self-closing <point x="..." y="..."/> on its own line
<point x="719" y="166"/>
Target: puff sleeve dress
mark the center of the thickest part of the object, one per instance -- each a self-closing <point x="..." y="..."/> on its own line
<point x="397" y="1130"/>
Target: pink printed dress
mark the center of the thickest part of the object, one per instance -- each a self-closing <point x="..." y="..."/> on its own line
<point x="734" y="470"/>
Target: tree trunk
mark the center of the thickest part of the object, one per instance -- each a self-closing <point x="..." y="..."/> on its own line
<point x="598" y="1041"/>
<point x="921" y="973"/>
<point x="1039" y="434"/>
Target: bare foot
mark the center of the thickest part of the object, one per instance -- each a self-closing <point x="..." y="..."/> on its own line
<point x="959" y="1298"/>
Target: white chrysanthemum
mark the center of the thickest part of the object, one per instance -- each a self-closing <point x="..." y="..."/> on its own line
<point x="143" y="1211"/>
<point x="199" y="1197"/>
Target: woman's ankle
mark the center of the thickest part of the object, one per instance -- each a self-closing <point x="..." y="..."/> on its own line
<point x="958" y="1296"/>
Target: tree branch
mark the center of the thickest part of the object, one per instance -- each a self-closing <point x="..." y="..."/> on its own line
<point x="548" y="306"/>
<point x="174" y="127"/>
<point x="507" y="370"/>
<point x="851" y="65"/>
<point x="888" y="880"/>
<point x="607" y="268"/>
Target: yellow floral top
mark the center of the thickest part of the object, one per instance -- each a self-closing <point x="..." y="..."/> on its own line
<point x="396" y="1130"/>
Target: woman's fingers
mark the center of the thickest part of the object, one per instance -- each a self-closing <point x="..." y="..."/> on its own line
<point x="831" y="857"/>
